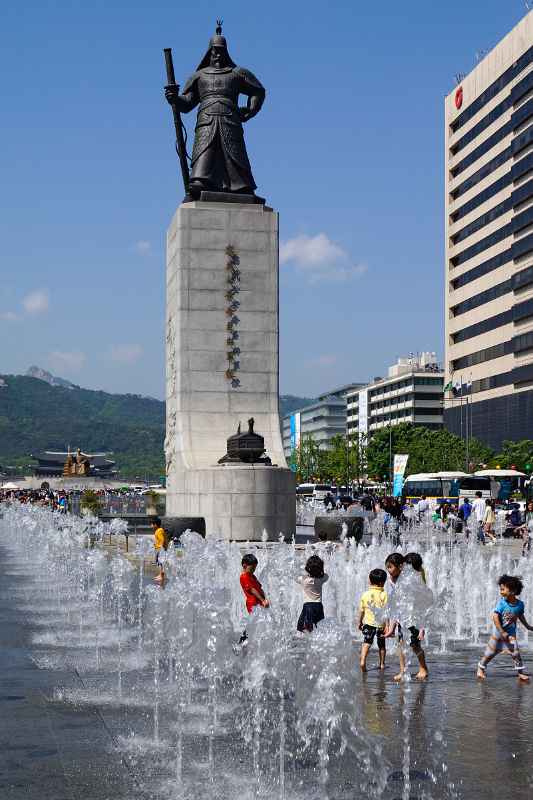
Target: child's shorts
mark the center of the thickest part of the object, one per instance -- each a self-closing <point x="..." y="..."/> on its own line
<point x="369" y="632"/>
<point x="414" y="641"/>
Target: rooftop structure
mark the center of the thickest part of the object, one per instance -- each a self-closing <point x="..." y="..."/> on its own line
<point x="411" y="392"/>
<point x="322" y="420"/>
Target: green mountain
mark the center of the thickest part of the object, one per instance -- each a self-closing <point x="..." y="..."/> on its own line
<point x="35" y="416"/>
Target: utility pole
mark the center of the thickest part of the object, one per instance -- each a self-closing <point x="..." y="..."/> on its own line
<point x="390" y="457"/>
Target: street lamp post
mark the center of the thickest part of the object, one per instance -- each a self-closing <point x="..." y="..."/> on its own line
<point x="390" y="458"/>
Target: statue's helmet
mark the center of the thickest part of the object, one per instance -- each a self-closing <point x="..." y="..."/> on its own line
<point x="216" y="41"/>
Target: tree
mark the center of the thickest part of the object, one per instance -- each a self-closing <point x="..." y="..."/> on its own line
<point x="307" y="459"/>
<point x="517" y="455"/>
<point x="428" y="450"/>
<point x="90" y="502"/>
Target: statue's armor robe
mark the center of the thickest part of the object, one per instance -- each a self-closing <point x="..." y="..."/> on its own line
<point x="219" y="157"/>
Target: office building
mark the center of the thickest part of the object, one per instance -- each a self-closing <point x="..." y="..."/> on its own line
<point x="323" y="419"/>
<point x="411" y="392"/>
<point x="489" y="242"/>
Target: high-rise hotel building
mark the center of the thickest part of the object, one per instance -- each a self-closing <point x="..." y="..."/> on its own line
<point x="489" y="244"/>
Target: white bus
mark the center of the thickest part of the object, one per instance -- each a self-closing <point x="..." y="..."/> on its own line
<point x="504" y="482"/>
<point x="315" y="490"/>
<point x="441" y="486"/>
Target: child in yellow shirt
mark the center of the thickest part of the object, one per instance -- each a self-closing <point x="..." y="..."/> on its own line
<point x="371" y="622"/>
<point x="160" y="543"/>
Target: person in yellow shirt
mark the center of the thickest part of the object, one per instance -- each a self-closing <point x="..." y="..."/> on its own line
<point x="372" y="620"/>
<point x="160" y="543"/>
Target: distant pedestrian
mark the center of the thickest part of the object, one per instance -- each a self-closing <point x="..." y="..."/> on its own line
<point x="489" y="519"/>
<point x="464" y="514"/>
<point x="478" y="511"/>
<point x="526" y="530"/>
<point x="422" y="507"/>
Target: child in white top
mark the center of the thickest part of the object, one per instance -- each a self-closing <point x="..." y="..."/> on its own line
<point x="312" y="583"/>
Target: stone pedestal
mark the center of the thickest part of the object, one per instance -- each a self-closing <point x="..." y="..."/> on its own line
<point x="222" y="368"/>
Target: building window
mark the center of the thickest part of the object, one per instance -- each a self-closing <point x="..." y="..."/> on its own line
<point x="522" y="246"/>
<point x="484" y="123"/>
<point x="484" y="219"/>
<point x="522" y="342"/>
<point x="519" y="116"/>
<point x="493" y="382"/>
<point x="491" y="91"/>
<point x="483" y="297"/>
<point x="482" y="327"/>
<point x="483" y="244"/>
<point x="482" y="148"/>
<point x="479" y="357"/>
<point x="422" y="381"/>
<point x="523" y="310"/>
<point x="522" y="374"/>
<point x="521" y="142"/>
<point x="482" y="197"/>
<point x="428" y="396"/>
<point x="482" y="172"/>
<point x="482" y="269"/>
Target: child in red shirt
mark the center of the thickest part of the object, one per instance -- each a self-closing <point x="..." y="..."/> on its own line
<point x="253" y="591"/>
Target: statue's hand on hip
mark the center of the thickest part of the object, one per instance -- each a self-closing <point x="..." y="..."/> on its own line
<point x="245" y="114"/>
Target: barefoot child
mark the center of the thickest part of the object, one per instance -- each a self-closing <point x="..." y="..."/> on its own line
<point x="508" y="610"/>
<point x="312" y="583"/>
<point x="373" y="599"/>
<point x="402" y="604"/>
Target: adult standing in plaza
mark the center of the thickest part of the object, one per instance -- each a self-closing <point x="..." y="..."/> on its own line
<point x="422" y="508"/>
<point x="478" y="511"/>
<point x="489" y="519"/>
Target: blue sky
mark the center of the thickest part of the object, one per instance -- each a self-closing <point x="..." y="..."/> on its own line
<point x="348" y="147"/>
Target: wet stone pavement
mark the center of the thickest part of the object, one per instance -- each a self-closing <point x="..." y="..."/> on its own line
<point x="48" y="751"/>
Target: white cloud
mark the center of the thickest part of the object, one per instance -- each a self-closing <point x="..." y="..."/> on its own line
<point x="310" y="251"/>
<point x="66" y="361"/>
<point x="125" y="353"/>
<point x="324" y="361"/>
<point x="319" y="258"/>
<point x="142" y="247"/>
<point x="36" y="302"/>
<point x="9" y="316"/>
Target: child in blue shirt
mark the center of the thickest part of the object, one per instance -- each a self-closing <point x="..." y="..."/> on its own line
<point x="508" y="610"/>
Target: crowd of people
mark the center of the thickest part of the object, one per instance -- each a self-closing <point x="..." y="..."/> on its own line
<point x="478" y="515"/>
<point x="45" y="498"/>
<point x="113" y="501"/>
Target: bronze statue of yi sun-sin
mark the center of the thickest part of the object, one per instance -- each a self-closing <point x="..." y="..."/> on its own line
<point x="220" y="169"/>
